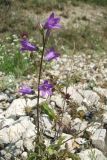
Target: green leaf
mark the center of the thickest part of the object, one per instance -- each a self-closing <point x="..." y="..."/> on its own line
<point x="49" y="111"/>
<point x="32" y="156"/>
<point x="60" y="140"/>
<point x="51" y="151"/>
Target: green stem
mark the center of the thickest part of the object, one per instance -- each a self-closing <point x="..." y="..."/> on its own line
<point x="39" y="78"/>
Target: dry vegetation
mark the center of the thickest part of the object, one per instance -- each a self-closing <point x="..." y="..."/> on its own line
<point x="84" y="25"/>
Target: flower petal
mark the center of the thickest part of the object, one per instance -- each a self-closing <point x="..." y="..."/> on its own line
<point x="52" y="22"/>
<point x="26" y="45"/>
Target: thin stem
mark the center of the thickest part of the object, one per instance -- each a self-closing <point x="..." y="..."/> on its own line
<point x="39" y="78"/>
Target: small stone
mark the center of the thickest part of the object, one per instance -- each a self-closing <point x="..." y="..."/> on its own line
<point x="24" y="156"/>
<point x="17" y="108"/>
<point x="2" y="158"/>
<point x="28" y="144"/>
<point x="93" y="66"/>
<point x="101" y="91"/>
<point x="19" y="145"/>
<point x="105" y="117"/>
<point x="22" y="128"/>
<point x="98" y="139"/>
<point x="6" y="154"/>
<point x="17" y="152"/>
<point x="59" y="101"/>
<point x="69" y="143"/>
<point x="7" y="122"/>
<point x="47" y="125"/>
<point x="90" y="154"/>
<point x="66" y="123"/>
<point x="66" y="120"/>
<point x="80" y="140"/>
<point x="3" y="152"/>
<point x="31" y="103"/>
<point x="91" y="130"/>
<point x="75" y="95"/>
<point x="3" y="97"/>
<point x="82" y="108"/>
<point x="1" y="73"/>
<point x="105" y="65"/>
<point x="90" y="98"/>
<point x="1" y="111"/>
<point x="11" y="98"/>
<point x="78" y="124"/>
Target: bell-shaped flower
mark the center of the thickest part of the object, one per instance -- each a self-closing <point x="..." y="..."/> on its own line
<point x="51" y="54"/>
<point x="52" y="22"/>
<point x="26" y="90"/>
<point x="46" y="89"/>
<point x="27" y="46"/>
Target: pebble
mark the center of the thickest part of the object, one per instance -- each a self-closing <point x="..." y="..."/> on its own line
<point x="90" y="154"/>
<point x="99" y="139"/>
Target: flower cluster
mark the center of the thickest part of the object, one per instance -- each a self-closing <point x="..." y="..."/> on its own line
<point x="45" y="89"/>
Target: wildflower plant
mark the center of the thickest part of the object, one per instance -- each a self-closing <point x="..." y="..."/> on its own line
<point x="44" y="88"/>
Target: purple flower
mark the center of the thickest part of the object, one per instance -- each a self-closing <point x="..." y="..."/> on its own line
<point x="26" y="90"/>
<point x="52" y="22"/>
<point x="51" y="54"/>
<point x="46" y="89"/>
<point x="27" y="46"/>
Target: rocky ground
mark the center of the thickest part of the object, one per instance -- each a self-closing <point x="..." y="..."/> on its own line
<point x="81" y="76"/>
<point x="84" y="113"/>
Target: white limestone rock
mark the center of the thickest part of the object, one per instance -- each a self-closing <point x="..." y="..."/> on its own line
<point x="69" y="143"/>
<point x="90" y="154"/>
<point x="59" y="101"/>
<point x="46" y="122"/>
<point x="90" y="98"/>
<point x="82" y="108"/>
<point x="2" y="118"/>
<point x="99" y="139"/>
<point x="7" y="122"/>
<point x="105" y="117"/>
<point x="66" y="119"/>
<point x="3" y="97"/>
<point x="28" y="144"/>
<point x="6" y="155"/>
<point x="101" y="91"/>
<point x="75" y="95"/>
<point x="20" y="129"/>
<point x="78" y="124"/>
<point x="31" y="103"/>
<point x="24" y="156"/>
<point x="19" y="145"/>
<point x="80" y="140"/>
<point x="17" y="108"/>
<point x="91" y="130"/>
<point x="47" y="125"/>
